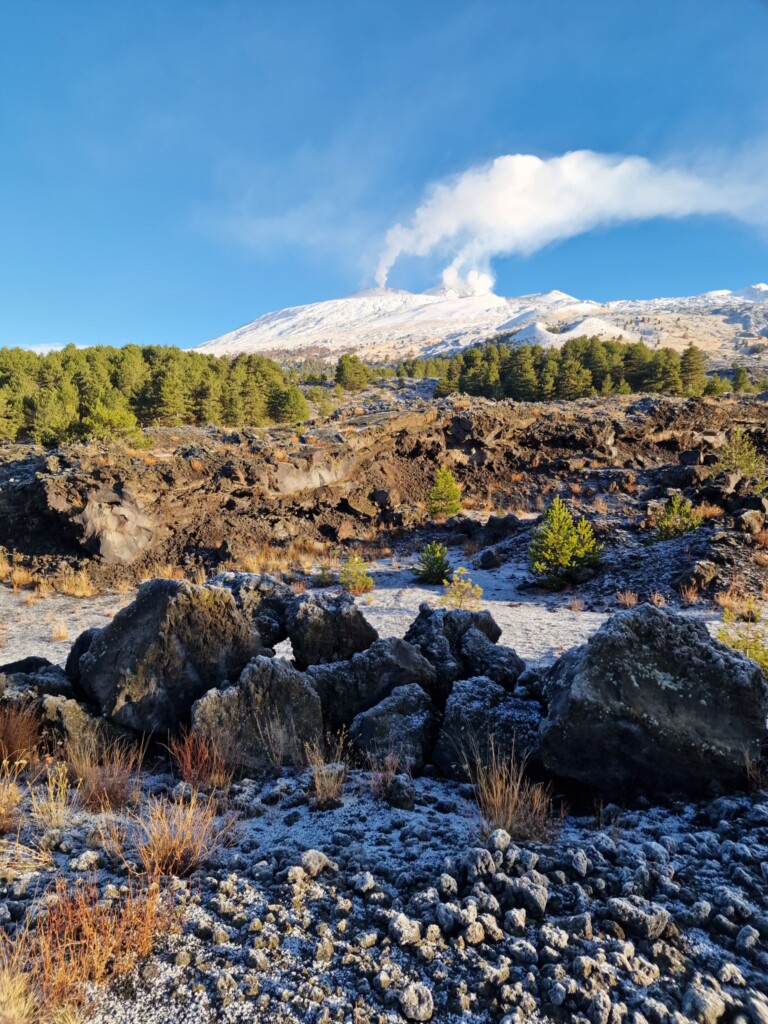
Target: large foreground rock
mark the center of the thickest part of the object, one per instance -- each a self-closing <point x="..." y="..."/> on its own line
<point x="480" y="716"/>
<point x="162" y="652"/>
<point x="404" y="724"/>
<point x="265" y="719"/>
<point x="461" y="644"/>
<point x="652" y="702"/>
<point x="263" y="600"/>
<point x="327" y="627"/>
<point x="349" y="687"/>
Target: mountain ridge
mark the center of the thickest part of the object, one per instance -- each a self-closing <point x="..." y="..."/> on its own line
<point x="390" y="323"/>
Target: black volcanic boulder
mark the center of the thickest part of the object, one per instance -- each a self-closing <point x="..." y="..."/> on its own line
<point x="162" y="652"/>
<point x="263" y="600"/>
<point x="652" y="702"/>
<point x="404" y="724"/>
<point x="346" y="688"/>
<point x="324" y="628"/>
<point x="461" y="644"/>
<point x="480" y="714"/>
<point x="263" y="720"/>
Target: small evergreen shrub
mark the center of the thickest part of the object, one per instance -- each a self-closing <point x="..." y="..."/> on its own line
<point x="461" y="592"/>
<point x="748" y="636"/>
<point x="444" y="499"/>
<point x="433" y="565"/>
<point x="741" y="454"/>
<point x="560" y="547"/>
<point x="677" y="518"/>
<point x="354" y="577"/>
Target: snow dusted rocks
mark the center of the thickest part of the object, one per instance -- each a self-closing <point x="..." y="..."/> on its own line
<point x="477" y="713"/>
<point x="347" y="688"/>
<point x="168" y="647"/>
<point x="404" y="724"/>
<point x="327" y="627"/>
<point x="652" y="702"/>
<point x="460" y="644"/>
<point x="272" y="710"/>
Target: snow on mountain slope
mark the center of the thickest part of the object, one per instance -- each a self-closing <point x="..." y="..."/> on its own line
<point x="387" y="323"/>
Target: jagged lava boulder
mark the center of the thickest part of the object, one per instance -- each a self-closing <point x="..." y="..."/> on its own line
<point x="349" y="687"/>
<point x="263" y="600"/>
<point x="404" y="724"/>
<point x="265" y="718"/>
<point x="461" y="644"/>
<point x="162" y="652"/>
<point x="324" y="628"/>
<point x="480" y="714"/>
<point x="652" y="702"/>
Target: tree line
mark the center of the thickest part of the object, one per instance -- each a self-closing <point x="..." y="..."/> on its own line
<point x="581" y="368"/>
<point x="98" y="392"/>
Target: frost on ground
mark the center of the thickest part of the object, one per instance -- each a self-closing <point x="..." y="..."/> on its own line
<point x="368" y="912"/>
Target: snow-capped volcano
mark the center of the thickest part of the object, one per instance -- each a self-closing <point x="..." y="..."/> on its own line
<point x="388" y="323"/>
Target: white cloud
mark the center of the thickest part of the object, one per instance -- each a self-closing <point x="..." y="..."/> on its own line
<point x="518" y="204"/>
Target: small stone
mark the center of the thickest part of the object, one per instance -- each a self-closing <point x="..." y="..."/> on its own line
<point x="405" y="932"/>
<point x="416" y="1002"/>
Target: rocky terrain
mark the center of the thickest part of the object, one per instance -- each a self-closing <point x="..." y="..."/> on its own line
<point x="332" y="755"/>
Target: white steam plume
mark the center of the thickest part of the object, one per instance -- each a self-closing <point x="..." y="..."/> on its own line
<point x="518" y="204"/>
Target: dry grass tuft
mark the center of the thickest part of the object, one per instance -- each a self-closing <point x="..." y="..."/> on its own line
<point x="106" y="774"/>
<point x="739" y="602"/>
<point x="59" y="630"/>
<point x="16" y="858"/>
<point x="19" y="737"/>
<point x="200" y="762"/>
<point x="689" y="593"/>
<point x="709" y="511"/>
<point x="505" y="798"/>
<point x="627" y="598"/>
<point x="657" y="599"/>
<point x="575" y="605"/>
<point x="10" y="793"/>
<point x="171" y="838"/>
<point x="279" y="740"/>
<point x="76" y="584"/>
<point x="329" y="764"/>
<point x="20" y="577"/>
<point x="53" y="800"/>
<point x="79" y="941"/>
<point x="384" y="771"/>
<point x="5" y="565"/>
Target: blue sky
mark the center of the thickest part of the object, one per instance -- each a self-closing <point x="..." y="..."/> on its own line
<point x="171" y="170"/>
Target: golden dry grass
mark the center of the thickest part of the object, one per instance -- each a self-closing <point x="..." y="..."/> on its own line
<point x="200" y="762"/>
<point x="278" y="740"/>
<point x="75" y="584"/>
<point x="106" y="774"/>
<point x="657" y="599"/>
<point x="78" y="941"/>
<point x="689" y="593"/>
<point x="19" y="734"/>
<point x="738" y="602"/>
<point x="170" y="837"/>
<point x="329" y="764"/>
<point x="52" y="799"/>
<point x="10" y="793"/>
<point x="20" y="577"/>
<point x="384" y="771"/>
<point x="5" y="565"/>
<point x="626" y="598"/>
<point x="59" y="630"/>
<point x="505" y="797"/>
<point x="18" y="858"/>
<point x="709" y="511"/>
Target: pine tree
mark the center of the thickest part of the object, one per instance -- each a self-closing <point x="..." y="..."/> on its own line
<point x="741" y="381"/>
<point x="521" y="382"/>
<point x="445" y="496"/>
<point x="693" y="370"/>
<point x="560" y="547"/>
<point x="351" y="374"/>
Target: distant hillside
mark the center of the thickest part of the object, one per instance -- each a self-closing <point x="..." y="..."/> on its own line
<point x="385" y="323"/>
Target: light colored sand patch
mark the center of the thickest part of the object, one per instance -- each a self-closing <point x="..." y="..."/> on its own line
<point x="29" y="628"/>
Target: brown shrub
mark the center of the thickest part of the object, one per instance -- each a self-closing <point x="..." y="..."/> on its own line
<point x="200" y="762"/>
<point x="19" y="736"/>
<point x="106" y="775"/>
<point x="506" y="798"/>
